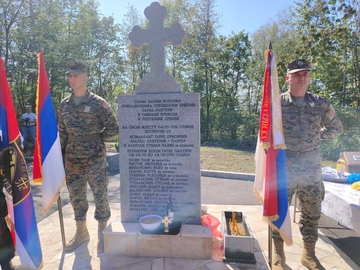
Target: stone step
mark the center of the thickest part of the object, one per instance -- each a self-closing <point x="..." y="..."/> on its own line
<point x="193" y="242"/>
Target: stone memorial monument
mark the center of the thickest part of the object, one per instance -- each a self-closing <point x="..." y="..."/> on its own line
<point x="159" y="134"/>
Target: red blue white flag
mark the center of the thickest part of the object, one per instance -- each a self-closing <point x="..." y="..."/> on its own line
<point x="270" y="177"/>
<point x="48" y="163"/>
<point x="17" y="185"/>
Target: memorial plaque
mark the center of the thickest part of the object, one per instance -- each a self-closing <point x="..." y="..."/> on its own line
<point x="159" y="134"/>
<point x="160" y="155"/>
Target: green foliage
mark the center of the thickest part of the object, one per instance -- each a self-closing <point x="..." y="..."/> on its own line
<point x="227" y="72"/>
<point x="64" y="31"/>
<point x="349" y="140"/>
<point x="331" y="149"/>
<point x="329" y="36"/>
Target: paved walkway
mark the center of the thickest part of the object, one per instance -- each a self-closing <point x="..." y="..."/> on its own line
<point x="86" y="257"/>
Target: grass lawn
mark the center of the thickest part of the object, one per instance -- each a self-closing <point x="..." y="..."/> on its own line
<point x="221" y="159"/>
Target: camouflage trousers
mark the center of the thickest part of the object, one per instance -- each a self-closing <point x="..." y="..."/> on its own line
<point x="304" y="177"/>
<point x="79" y="172"/>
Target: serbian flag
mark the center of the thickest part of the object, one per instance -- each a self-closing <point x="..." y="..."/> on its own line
<point x="17" y="185"/>
<point x="270" y="177"/>
<point x="48" y="166"/>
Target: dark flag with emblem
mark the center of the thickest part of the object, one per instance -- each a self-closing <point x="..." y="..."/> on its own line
<point x="16" y="184"/>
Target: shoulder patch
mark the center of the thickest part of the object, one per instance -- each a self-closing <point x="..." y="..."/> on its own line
<point x="105" y="105"/>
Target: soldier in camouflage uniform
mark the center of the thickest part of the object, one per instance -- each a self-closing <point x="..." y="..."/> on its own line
<point x="307" y="119"/>
<point x="85" y="121"/>
<point x="7" y="251"/>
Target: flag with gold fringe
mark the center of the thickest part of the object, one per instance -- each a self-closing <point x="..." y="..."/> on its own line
<point x="48" y="166"/>
<point x="270" y="177"/>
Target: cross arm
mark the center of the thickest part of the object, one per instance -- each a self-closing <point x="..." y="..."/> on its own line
<point x="138" y="36"/>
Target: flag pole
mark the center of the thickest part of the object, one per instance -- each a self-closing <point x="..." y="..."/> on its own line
<point x="61" y="220"/>
<point x="270" y="246"/>
<point x="269" y="228"/>
<point x="48" y="156"/>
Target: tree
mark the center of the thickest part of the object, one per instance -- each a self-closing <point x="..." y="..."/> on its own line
<point x="233" y="58"/>
<point x="329" y="33"/>
<point x="137" y="60"/>
<point x="10" y="12"/>
<point x="202" y="42"/>
<point x="179" y="11"/>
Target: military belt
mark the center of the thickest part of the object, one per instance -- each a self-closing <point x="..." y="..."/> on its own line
<point x="85" y="138"/>
<point x="311" y="153"/>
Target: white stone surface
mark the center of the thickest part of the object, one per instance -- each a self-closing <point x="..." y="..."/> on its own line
<point x="160" y="156"/>
<point x="192" y="242"/>
<point x="156" y="36"/>
<point x="86" y="257"/>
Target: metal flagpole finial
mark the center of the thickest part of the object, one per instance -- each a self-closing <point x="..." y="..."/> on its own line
<point x="270" y="46"/>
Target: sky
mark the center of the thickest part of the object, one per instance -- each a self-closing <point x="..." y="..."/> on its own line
<point x="235" y="15"/>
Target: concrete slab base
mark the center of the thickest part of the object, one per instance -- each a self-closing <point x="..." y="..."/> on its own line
<point x="238" y="248"/>
<point x="193" y="242"/>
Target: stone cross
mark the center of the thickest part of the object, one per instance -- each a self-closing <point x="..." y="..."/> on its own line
<point x="156" y="36"/>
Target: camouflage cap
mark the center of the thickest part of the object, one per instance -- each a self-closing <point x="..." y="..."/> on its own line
<point x="76" y="68"/>
<point x="297" y="65"/>
<point x="28" y="107"/>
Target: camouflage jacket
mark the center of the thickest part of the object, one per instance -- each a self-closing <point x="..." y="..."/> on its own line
<point x="92" y="116"/>
<point x="305" y="124"/>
